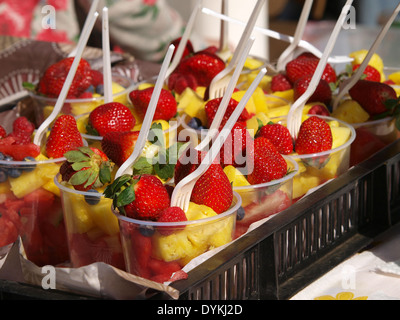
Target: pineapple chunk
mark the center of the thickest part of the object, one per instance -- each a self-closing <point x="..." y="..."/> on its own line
<point x="350" y="111"/>
<point x="145" y="85"/>
<point x="192" y="104"/>
<point x="26" y="183"/>
<point x="76" y="213"/>
<point x="278" y="111"/>
<point x="103" y="217"/>
<point x="304" y="182"/>
<point x="340" y="135"/>
<point x="253" y="123"/>
<point x="395" y="77"/>
<point x="376" y="61"/>
<point x="250" y="106"/>
<point x="280" y="98"/>
<point x="260" y="100"/>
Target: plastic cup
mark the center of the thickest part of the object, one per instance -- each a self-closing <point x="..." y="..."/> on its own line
<point x="155" y="250"/>
<point x="92" y="228"/>
<point x="315" y="169"/>
<point x="265" y="199"/>
<point x="31" y="202"/>
<point x="44" y="105"/>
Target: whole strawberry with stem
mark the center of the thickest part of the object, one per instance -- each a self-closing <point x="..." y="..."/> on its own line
<point x="269" y="164"/>
<point x="166" y="106"/>
<point x="86" y="168"/>
<point x="110" y="117"/>
<point x="64" y="136"/>
<point x="141" y="197"/>
<point x="55" y="75"/>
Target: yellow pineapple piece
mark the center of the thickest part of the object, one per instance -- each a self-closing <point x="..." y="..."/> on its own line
<point x="77" y="214"/>
<point x="376" y="61"/>
<point x="340" y="135"/>
<point x="304" y="182"/>
<point x="280" y="98"/>
<point x="250" y="105"/>
<point x="247" y="80"/>
<point x="350" y="111"/>
<point x="103" y="217"/>
<point x="237" y="179"/>
<point x="395" y="77"/>
<point x="51" y="186"/>
<point x="253" y="63"/>
<point x="253" y="123"/>
<point x="278" y="111"/>
<point x="121" y="98"/>
<point x="201" y="91"/>
<point x="145" y="85"/>
<point x="260" y="100"/>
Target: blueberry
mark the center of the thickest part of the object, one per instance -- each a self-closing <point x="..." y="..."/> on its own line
<point x="194" y="123"/>
<point x="3" y="176"/>
<point x="146" y="231"/>
<point x="14" y="172"/>
<point x="92" y="200"/>
<point x="240" y="214"/>
<point x="90" y="89"/>
<point x="29" y="167"/>
<point x="100" y="89"/>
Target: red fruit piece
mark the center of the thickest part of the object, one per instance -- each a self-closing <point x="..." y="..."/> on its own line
<point x="268" y="162"/>
<point x="211" y="108"/>
<point x="179" y="82"/>
<point x="280" y="82"/>
<point x="298" y="68"/>
<point x="372" y="95"/>
<point x="54" y="77"/>
<point x="370" y="73"/>
<point x="19" y="152"/>
<point x="97" y="77"/>
<point x="64" y="136"/>
<point x="319" y="110"/>
<point x="166" y="106"/>
<point x="204" y="66"/>
<point x="171" y="214"/>
<point x="22" y="126"/>
<point x="118" y="146"/>
<point x="3" y="132"/>
<point x="279" y="135"/>
<point x="109" y="117"/>
<point x="322" y="93"/>
<point x="314" y="136"/>
<point x="186" y="51"/>
<point x="161" y="270"/>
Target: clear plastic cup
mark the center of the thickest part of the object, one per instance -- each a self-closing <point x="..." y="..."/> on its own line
<point x="155" y="250"/>
<point x="315" y="169"/>
<point x="31" y="200"/>
<point x="92" y="228"/>
<point x="265" y="199"/>
<point x="44" y="105"/>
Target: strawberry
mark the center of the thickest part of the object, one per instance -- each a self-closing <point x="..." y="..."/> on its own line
<point x="211" y="108"/>
<point x="318" y="109"/>
<point x="166" y="106"/>
<point x="300" y="67"/>
<point x="97" y="77"/>
<point x="203" y="65"/>
<point x="141" y="197"/>
<point x="18" y="152"/>
<point x="279" y="135"/>
<point x="64" y="136"/>
<point x="238" y="147"/>
<point x="370" y="73"/>
<point x="3" y="132"/>
<point x="54" y="77"/>
<point x="322" y="93"/>
<point x="109" y="117"/>
<point x="118" y="146"/>
<point x="372" y="96"/>
<point x="22" y="131"/>
<point x="178" y="82"/>
<point x="280" y="82"/>
<point x="268" y="162"/>
<point x="171" y="214"/>
<point x="213" y="188"/>
<point x="86" y="168"/>
<point x="314" y="136"/>
<point x="188" y="48"/>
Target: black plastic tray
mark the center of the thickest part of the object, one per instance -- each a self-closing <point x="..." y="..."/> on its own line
<point x="295" y="247"/>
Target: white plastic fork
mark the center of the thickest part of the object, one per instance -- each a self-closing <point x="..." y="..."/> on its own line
<point x="184" y="39"/>
<point x="343" y="90"/>
<point x="224" y="52"/>
<point x="183" y="190"/>
<point x="220" y="81"/>
<point x="283" y="37"/>
<point x="213" y="130"/>
<point x="107" y="78"/>
<point x="126" y="167"/>
<point x="288" y="53"/>
<point x="41" y="131"/>
<point x="296" y="110"/>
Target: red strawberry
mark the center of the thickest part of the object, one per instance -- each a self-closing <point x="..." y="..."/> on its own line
<point x="178" y="82"/>
<point x="268" y="162"/>
<point x="298" y="68"/>
<point x="280" y="82"/>
<point x="238" y="147"/>
<point x="22" y="131"/>
<point x="279" y="135"/>
<point x="97" y="77"/>
<point x="203" y="65"/>
<point x="64" y="136"/>
<point x="54" y="77"/>
<point x="86" y="168"/>
<point x="171" y="214"/>
<point x="187" y="50"/>
<point x="322" y="93"/>
<point x="372" y="95"/>
<point x="186" y="164"/>
<point x="211" y="108"/>
<point x="314" y="136"/>
<point x="319" y="110"/>
<point x="3" y="132"/>
<point x="118" y="146"/>
<point x="19" y="152"/>
<point x="166" y="106"/>
<point x="141" y="197"/>
<point x="109" y="117"/>
<point x="370" y="73"/>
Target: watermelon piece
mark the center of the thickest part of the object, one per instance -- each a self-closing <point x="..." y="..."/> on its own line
<point x="9" y="231"/>
<point x="162" y="270"/>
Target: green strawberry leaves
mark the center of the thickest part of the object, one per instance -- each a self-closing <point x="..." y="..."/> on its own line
<point x="122" y="191"/>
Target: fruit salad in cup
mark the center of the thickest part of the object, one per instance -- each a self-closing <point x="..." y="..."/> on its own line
<point x="85" y="94"/>
<point x="159" y="239"/>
